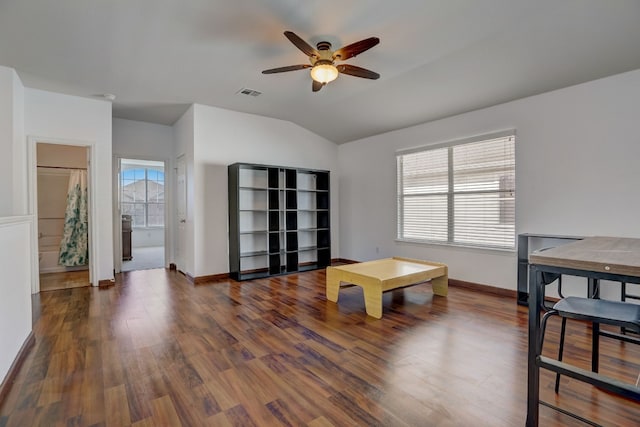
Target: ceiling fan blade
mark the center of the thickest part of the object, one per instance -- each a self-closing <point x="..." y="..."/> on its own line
<point x="301" y="44"/>
<point x="316" y="86"/>
<point x="354" y="49"/>
<point x="287" y="68"/>
<point x="352" y="70"/>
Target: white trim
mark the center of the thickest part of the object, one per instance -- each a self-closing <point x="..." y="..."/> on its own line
<point x="117" y="224"/>
<point x="32" y="158"/>
<point x="456" y="245"/>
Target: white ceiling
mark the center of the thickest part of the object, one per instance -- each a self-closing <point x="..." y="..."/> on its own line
<point x="436" y="57"/>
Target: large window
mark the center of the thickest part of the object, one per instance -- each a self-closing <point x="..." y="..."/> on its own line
<point x="461" y="193"/>
<point x="142" y="193"/>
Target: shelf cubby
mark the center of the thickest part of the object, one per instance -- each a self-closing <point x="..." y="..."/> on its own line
<point x="290" y="176"/>
<point x="291" y="220"/>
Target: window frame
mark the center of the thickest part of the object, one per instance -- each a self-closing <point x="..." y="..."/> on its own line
<point x="450" y="193"/>
<point x="145" y="204"/>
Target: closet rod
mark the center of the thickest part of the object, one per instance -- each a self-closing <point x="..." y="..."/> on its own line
<point x="62" y="167"/>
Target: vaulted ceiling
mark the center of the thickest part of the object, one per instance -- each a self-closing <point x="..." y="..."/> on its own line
<point x="436" y="58"/>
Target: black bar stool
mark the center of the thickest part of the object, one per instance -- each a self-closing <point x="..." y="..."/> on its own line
<point x="616" y="313"/>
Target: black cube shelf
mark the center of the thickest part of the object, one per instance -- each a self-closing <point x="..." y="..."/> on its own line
<point x="279" y="220"/>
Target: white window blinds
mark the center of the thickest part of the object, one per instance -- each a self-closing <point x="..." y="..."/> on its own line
<point x="462" y="193"/>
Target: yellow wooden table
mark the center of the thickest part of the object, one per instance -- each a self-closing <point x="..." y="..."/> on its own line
<point x="376" y="277"/>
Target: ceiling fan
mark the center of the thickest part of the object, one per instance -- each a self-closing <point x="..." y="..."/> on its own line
<point x="322" y="60"/>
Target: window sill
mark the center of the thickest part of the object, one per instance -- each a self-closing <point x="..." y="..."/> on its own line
<point x="506" y="251"/>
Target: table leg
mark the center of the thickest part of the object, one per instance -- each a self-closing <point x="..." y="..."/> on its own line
<point x="595" y="346"/>
<point x="533" y="370"/>
<point x="373" y="298"/>
<point x="594" y="292"/>
<point x="440" y="285"/>
<point x="333" y="284"/>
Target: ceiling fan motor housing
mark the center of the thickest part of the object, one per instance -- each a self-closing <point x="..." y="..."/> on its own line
<point x="324" y="56"/>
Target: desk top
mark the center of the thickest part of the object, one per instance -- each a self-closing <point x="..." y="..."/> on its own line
<point x="614" y="255"/>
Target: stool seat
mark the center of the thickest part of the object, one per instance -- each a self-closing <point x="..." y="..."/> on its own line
<point x="600" y="311"/>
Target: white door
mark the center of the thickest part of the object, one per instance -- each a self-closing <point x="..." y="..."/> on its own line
<point x="181" y="214"/>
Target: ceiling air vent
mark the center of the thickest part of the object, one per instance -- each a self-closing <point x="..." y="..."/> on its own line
<point x="250" y="92"/>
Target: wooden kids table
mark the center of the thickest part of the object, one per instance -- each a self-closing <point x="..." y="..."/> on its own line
<point x="376" y="277"/>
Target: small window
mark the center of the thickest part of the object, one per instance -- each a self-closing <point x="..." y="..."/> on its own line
<point x="142" y="194"/>
<point x="461" y="193"/>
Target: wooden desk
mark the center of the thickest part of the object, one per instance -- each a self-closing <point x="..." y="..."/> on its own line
<point x="596" y="258"/>
<point x="527" y="243"/>
<point x="376" y="277"/>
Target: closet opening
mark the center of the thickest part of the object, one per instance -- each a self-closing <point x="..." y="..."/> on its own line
<point x="142" y="211"/>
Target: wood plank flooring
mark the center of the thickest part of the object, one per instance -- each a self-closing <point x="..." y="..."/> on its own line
<point x="64" y="280"/>
<point x="155" y="350"/>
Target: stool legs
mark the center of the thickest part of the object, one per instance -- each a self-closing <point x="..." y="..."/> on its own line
<point x="595" y="348"/>
<point x="563" y="329"/>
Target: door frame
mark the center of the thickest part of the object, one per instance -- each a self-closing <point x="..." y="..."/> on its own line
<point x="117" y="222"/>
<point x="180" y="255"/>
<point x="32" y="208"/>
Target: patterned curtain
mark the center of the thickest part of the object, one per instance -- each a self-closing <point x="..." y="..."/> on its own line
<point x="74" y="249"/>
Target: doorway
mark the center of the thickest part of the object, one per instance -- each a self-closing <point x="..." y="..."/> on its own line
<point x="62" y="201"/>
<point x="141" y="185"/>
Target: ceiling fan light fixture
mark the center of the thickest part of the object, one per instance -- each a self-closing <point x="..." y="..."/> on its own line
<point x="324" y="73"/>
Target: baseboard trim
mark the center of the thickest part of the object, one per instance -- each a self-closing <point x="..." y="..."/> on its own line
<point x="106" y="283"/>
<point x="483" y="288"/>
<point x="5" y="387"/>
<point x="452" y="282"/>
<point x="198" y="280"/>
<point x="343" y="261"/>
<point x="211" y="278"/>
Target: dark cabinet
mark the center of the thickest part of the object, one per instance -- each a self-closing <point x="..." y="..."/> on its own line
<point x="126" y="238"/>
<point x="279" y="220"/>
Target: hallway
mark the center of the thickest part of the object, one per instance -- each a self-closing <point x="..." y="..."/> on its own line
<point x="145" y="258"/>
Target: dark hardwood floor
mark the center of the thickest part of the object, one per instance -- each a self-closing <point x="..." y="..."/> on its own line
<point x="64" y="280"/>
<point x="155" y="350"/>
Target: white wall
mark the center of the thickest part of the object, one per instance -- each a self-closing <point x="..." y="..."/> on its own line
<point x="13" y="160"/>
<point x="577" y="151"/>
<point x="147" y="237"/>
<point x="52" y="116"/>
<point x="20" y="169"/>
<point x="222" y="137"/>
<point x="15" y="288"/>
<point x="15" y="232"/>
<point x="141" y="140"/>
<point x="6" y="136"/>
